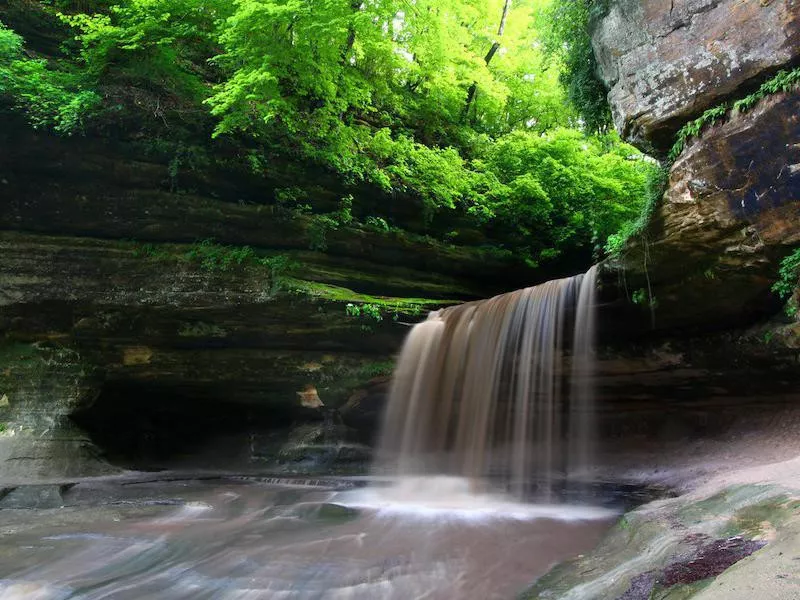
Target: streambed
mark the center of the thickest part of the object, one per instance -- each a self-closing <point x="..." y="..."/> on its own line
<point x="222" y="537"/>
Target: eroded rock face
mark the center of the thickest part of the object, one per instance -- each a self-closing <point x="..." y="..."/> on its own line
<point x="165" y="344"/>
<point x="42" y="385"/>
<point x="667" y="62"/>
<point x="730" y="214"/>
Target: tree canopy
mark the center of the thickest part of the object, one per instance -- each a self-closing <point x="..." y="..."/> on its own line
<point x="460" y="105"/>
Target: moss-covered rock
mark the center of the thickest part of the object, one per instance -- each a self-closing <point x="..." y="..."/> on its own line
<point x="730" y="214"/>
<point x="674" y="549"/>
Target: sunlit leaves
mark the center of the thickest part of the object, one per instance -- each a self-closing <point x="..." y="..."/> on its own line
<point x="48" y="98"/>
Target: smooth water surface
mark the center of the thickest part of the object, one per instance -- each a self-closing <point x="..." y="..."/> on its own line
<point x="243" y="539"/>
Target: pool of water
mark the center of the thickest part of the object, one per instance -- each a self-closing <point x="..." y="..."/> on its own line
<point x="243" y="538"/>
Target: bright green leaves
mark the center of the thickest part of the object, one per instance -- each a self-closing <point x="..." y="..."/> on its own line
<point x="431" y="101"/>
<point x="567" y="37"/>
<point x="49" y="98"/>
<point x="160" y="45"/>
<point x="563" y="190"/>
<point x="10" y="45"/>
<point x="783" y="81"/>
<point x="789" y="281"/>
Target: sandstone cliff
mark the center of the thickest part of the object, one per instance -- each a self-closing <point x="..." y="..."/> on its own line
<point x="730" y="212"/>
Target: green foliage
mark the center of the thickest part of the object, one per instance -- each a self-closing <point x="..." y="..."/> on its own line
<point x="291" y="201"/>
<point x="562" y="190"/>
<point x="213" y="257"/>
<point x="318" y="230"/>
<point x="788" y="281"/>
<point x="368" y="311"/>
<point x="642" y="297"/>
<point x="49" y="98"/>
<point x="345" y="213"/>
<point x="369" y="314"/>
<point x="373" y="313"/>
<point x="393" y="306"/>
<point x="376" y="93"/>
<point x="567" y="37"/>
<point x="217" y="257"/>
<point x="377" y="224"/>
<point x="694" y="128"/>
<point x="784" y="81"/>
<point x="151" y="251"/>
<point x="279" y="265"/>
<point x="639" y="297"/>
<point x="156" y="44"/>
<point x="377" y="369"/>
<point x="656" y="185"/>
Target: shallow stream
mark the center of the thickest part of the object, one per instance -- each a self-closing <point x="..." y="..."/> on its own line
<point x="243" y="538"/>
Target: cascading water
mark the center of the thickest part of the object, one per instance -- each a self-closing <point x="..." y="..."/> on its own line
<point x="483" y="390"/>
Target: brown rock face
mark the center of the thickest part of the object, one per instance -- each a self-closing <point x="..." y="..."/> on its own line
<point x="667" y="62"/>
<point x="143" y="353"/>
<point x="730" y="213"/>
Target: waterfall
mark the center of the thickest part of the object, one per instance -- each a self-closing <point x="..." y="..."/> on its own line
<point x="498" y="389"/>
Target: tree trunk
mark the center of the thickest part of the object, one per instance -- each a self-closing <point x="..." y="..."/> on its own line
<point x="472" y="93"/>
<point x="355" y="5"/>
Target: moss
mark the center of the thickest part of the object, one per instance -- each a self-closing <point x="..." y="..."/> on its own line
<point x="753" y="521"/>
<point x="377" y="369"/>
<point x="18" y="363"/>
<point x="656" y="186"/>
<point x="784" y="81"/>
<point x="333" y="293"/>
<point x="36" y="375"/>
<point x="642" y="542"/>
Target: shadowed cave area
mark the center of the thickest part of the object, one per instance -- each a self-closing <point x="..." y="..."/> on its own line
<point x="151" y="428"/>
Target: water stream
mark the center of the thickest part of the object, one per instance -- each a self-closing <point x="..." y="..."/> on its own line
<point x="225" y="539"/>
<point x="486" y="389"/>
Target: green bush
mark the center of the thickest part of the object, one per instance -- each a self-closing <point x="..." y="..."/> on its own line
<point x="788" y="280"/>
<point x="49" y="98"/>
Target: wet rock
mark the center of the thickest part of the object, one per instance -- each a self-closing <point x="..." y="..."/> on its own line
<point x="34" y="496"/>
<point x="667" y="62"/>
<point x="710" y="256"/>
<point x="710" y="561"/>
<point x="674" y="548"/>
<point x="363" y="410"/>
<point x="641" y="587"/>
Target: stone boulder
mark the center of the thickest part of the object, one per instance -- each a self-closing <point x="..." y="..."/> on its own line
<point x="731" y="212"/>
<point x="667" y="62"/>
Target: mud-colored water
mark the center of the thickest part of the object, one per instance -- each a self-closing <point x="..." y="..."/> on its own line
<point x="246" y="539"/>
<point x="501" y="387"/>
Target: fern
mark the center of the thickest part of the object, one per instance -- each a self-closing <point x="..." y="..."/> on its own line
<point x="784" y="81"/>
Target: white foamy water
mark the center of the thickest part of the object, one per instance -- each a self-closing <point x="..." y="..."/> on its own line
<point x="455" y="498"/>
